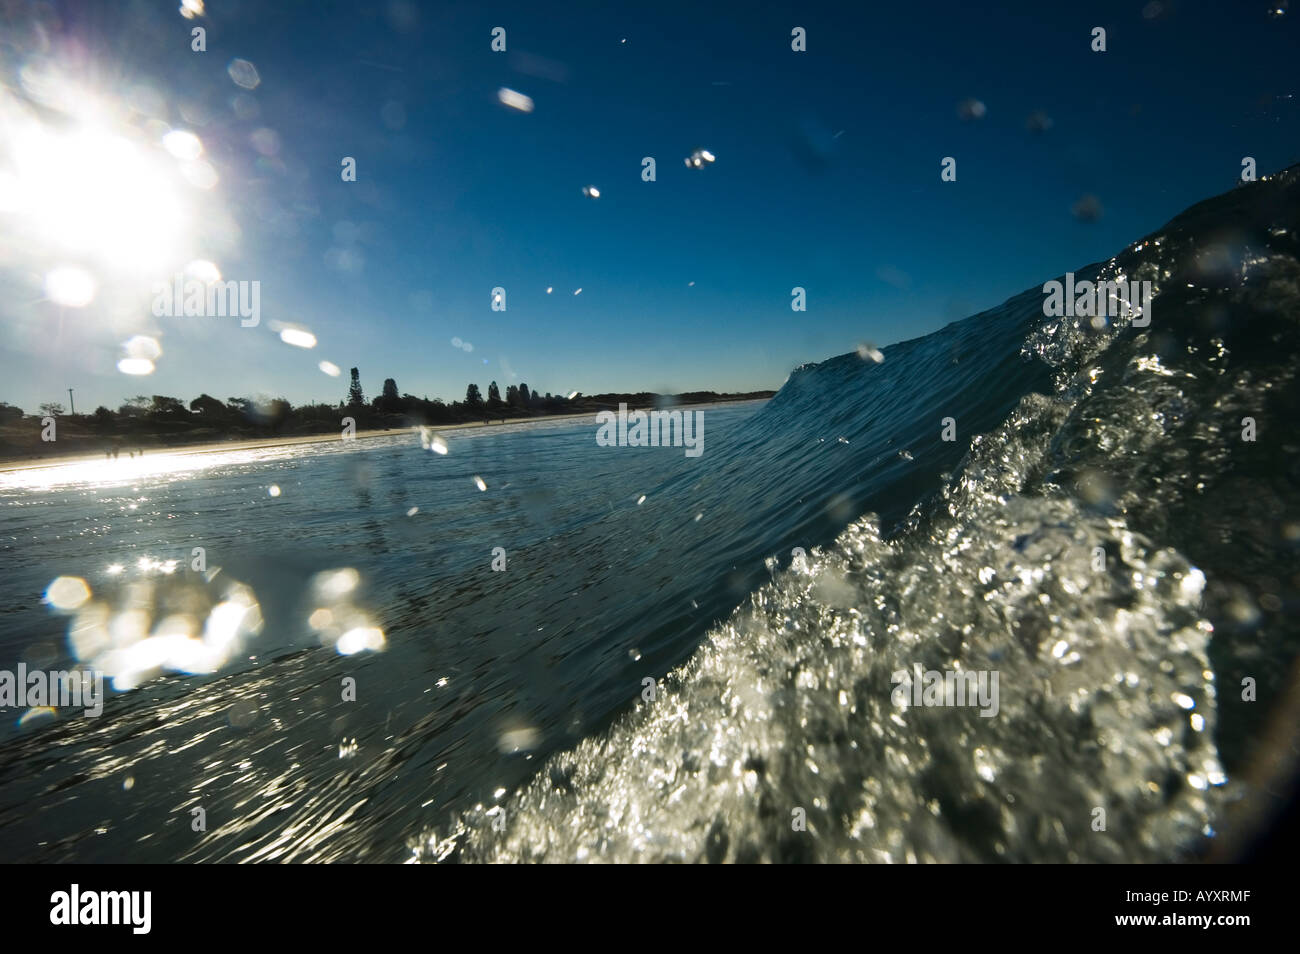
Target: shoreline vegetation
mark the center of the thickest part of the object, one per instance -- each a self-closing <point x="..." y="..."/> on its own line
<point x="165" y="424"/>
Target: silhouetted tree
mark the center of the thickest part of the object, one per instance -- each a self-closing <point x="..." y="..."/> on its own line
<point x="525" y="398"/>
<point x="389" y="402"/>
<point x="355" y="396"/>
<point x="494" y="395"/>
<point x="472" y="396"/>
<point x="208" y="406"/>
<point x="277" y="411"/>
<point x="52" y="409"/>
<point x="164" y="406"/>
<point x="512" y="395"/>
<point x="102" y="419"/>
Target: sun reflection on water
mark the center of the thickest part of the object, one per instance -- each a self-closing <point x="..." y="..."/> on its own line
<point x="107" y="471"/>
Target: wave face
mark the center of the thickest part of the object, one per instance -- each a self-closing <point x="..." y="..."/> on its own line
<point x="1098" y="535"/>
<point x="1109" y="544"/>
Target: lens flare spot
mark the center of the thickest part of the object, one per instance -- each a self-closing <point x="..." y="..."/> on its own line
<point x="71" y="286"/>
<point x="298" y="337"/>
<point x="199" y="174"/>
<point x="135" y="366"/>
<point x="37" y="712"/>
<point x="334" y="585"/>
<point x="183" y="145"/>
<point x="360" y="639"/>
<point x="143" y="346"/>
<point x="203" y="270"/>
<point x="67" y="593"/>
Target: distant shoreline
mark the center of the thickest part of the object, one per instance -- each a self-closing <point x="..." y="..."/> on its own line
<point x="27" y="462"/>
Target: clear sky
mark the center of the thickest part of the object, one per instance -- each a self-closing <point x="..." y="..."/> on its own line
<point x="827" y="176"/>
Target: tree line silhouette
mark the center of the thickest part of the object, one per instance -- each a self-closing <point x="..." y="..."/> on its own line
<point x="161" y="419"/>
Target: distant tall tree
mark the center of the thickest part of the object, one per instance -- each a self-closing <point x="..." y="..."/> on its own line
<point x="525" y="398"/>
<point x="472" y="396"/>
<point x="355" y="395"/>
<point x="494" y="395"/>
<point x="512" y="395"/>
<point x="52" y="409"/>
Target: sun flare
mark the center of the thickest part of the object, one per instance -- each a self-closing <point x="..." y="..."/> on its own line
<point x="94" y="193"/>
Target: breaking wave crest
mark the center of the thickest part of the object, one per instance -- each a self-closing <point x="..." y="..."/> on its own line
<point x="1114" y="550"/>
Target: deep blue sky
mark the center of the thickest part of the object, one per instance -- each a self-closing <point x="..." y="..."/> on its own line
<point x="827" y="177"/>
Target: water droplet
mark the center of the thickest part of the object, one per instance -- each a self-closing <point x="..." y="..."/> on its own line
<point x="518" y="740"/>
<point x="298" y="337"/>
<point x="1087" y="209"/>
<point x="869" y="352"/>
<point x="243" y="73"/>
<point x="515" y="100"/>
<point x="699" y="159"/>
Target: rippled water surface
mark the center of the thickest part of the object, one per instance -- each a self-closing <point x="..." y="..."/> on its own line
<point x="681" y="654"/>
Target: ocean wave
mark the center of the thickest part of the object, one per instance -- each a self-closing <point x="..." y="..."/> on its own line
<point x="1114" y="549"/>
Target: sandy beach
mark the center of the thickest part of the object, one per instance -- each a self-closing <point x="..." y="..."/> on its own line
<point x="211" y="447"/>
<point x="10" y="464"/>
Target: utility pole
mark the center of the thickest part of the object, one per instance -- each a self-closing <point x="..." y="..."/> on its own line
<point x="72" y="402"/>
